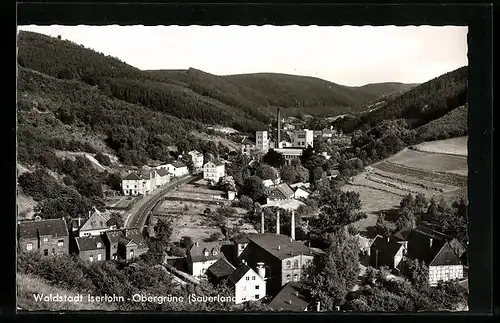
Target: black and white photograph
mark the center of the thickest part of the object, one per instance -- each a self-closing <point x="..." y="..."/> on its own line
<point x="242" y="168"/>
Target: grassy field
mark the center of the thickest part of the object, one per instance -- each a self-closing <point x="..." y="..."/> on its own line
<point x="431" y="161"/>
<point x="188" y="215"/>
<point x="29" y="285"/>
<point x="454" y="146"/>
<point x="384" y="184"/>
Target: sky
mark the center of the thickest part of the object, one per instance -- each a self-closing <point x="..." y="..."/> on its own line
<point x="347" y="55"/>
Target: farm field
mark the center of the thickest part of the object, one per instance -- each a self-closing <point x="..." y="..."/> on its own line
<point x="382" y="185"/>
<point x="453" y="146"/>
<point x="186" y="206"/>
<point x="431" y="161"/>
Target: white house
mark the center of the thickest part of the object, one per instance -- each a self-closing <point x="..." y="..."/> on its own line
<point x="176" y="169"/>
<point x="248" y="285"/>
<point x="262" y="141"/>
<point x="290" y="153"/>
<point x="202" y="255"/>
<point x="163" y="177"/>
<point x="303" y="138"/>
<point x="95" y="224"/>
<point x="141" y="182"/>
<point x="214" y="170"/>
<point x="197" y="159"/>
<point x="301" y="192"/>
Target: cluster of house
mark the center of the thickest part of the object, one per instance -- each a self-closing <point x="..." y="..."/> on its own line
<point x="443" y="255"/>
<point x="90" y="238"/>
<point x="256" y="266"/>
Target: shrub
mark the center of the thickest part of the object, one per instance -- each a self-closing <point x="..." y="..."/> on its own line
<point x="245" y="202"/>
<point x="103" y="159"/>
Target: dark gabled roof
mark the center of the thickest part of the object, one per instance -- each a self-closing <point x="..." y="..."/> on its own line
<point x="162" y="172"/>
<point x="216" y="162"/>
<point x="238" y="273"/>
<point x="287" y="247"/>
<point x="221" y="268"/>
<point x="197" y="251"/>
<point x="241" y="239"/>
<point x="136" y="236"/>
<point x="54" y="227"/>
<point x="446" y="256"/>
<point x="178" y="164"/>
<point x="147" y="174"/>
<point x="132" y="177"/>
<point x="113" y="235"/>
<point x="281" y="191"/>
<point x="419" y="246"/>
<point x="89" y="243"/>
<point x="290" y="298"/>
<point x="389" y="248"/>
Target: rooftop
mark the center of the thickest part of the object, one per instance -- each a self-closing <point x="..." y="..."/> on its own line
<point x="238" y="273"/>
<point x="280" y="246"/>
<point x="198" y="249"/>
<point x="221" y="268"/>
<point x="390" y="247"/>
<point x="53" y="227"/>
<point x="89" y="243"/>
<point x="290" y="298"/>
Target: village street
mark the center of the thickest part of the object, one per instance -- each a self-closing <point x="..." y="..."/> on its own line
<point x="136" y="217"/>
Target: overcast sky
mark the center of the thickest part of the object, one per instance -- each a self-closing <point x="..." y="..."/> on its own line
<point x="348" y="55"/>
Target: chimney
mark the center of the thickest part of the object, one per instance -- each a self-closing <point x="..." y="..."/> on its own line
<point x="292" y="229"/>
<point x="318" y="306"/>
<point x="262" y="223"/>
<point x="79" y="222"/>
<point x="430" y="242"/>
<point x="388" y="239"/>
<point x="261" y="270"/>
<point x="278" y="222"/>
<point x="278" y="116"/>
<point x="279" y="248"/>
<point x="288" y="301"/>
<point x="196" y="244"/>
<point x="296" y="293"/>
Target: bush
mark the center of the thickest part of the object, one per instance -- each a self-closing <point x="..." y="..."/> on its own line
<point x="216" y="236"/>
<point x="245" y="202"/>
<point x="103" y="159"/>
<point x="48" y="159"/>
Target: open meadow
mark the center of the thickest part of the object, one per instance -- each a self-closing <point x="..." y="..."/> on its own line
<point x="382" y="185"/>
<point x="453" y="146"/>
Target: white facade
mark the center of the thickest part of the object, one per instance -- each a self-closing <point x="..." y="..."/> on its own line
<point x="214" y="171"/>
<point x="289" y="153"/>
<point x="197" y="159"/>
<point x="262" y="141"/>
<point x="175" y="170"/>
<point x="445" y="273"/>
<point x="301" y="193"/>
<point x="250" y="287"/>
<point x="132" y="187"/>
<point x="199" y="268"/>
<point x="303" y="138"/>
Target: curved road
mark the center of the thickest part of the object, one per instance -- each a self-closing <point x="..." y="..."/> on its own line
<point x="138" y="218"/>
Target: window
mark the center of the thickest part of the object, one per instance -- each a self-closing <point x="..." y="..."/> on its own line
<point x="135" y="186"/>
<point x="244" y="298"/>
<point x="46" y="252"/>
<point x="102" y="224"/>
<point x="247" y="278"/>
<point x="98" y="245"/>
<point x="53" y="251"/>
<point x="257" y="286"/>
<point x="288" y="277"/>
<point x="131" y="254"/>
<point x="29" y="246"/>
<point x="98" y="257"/>
<point x="45" y="240"/>
<point x="253" y="277"/>
<point x="295" y="277"/>
<point x="288" y="264"/>
<point x="257" y="296"/>
<point x="91" y="258"/>
<point x="60" y="243"/>
<point x="296" y="264"/>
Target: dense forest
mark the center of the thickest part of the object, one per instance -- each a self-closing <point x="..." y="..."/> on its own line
<point x="388" y="88"/>
<point x="418" y="106"/>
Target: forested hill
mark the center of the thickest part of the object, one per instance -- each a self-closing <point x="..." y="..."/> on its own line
<point x="387" y="88"/>
<point x="418" y="106"/>
<point x="245" y="102"/>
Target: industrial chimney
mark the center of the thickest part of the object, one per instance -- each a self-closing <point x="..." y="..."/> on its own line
<point x="278" y="116"/>
<point x="278" y="222"/>
<point x="261" y="270"/>
<point x="262" y="223"/>
<point x="292" y="229"/>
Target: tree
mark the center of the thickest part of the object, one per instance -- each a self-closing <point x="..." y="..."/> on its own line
<point x="114" y="181"/>
<point x="303" y="173"/>
<point x="420" y="204"/>
<point x="432" y="214"/>
<point x="332" y="276"/>
<point x="274" y="158"/>
<point x="289" y="174"/>
<point x="216" y="236"/>
<point x="337" y="209"/>
<point x="188" y="161"/>
<point x="103" y="159"/>
<point x="48" y="159"/>
<point x="382" y="226"/>
<point x="406" y="219"/>
<point x="253" y="188"/>
<point x="408" y="202"/>
<point x="266" y="172"/>
<point x="317" y="174"/>
<point x="416" y="272"/>
<point x="164" y="230"/>
<point x="245" y="202"/>
<point x="115" y="219"/>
